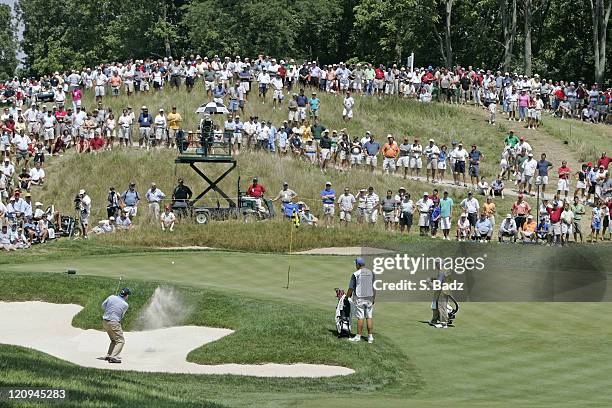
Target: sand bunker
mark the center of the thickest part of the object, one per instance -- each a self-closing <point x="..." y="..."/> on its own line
<point x="345" y="251"/>
<point x="187" y="248"/>
<point x="47" y="327"/>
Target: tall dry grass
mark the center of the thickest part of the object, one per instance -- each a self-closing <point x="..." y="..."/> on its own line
<point x="96" y="173"/>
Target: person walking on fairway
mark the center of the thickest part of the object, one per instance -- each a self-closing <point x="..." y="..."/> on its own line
<point x="361" y="290"/>
<point x="115" y="307"/>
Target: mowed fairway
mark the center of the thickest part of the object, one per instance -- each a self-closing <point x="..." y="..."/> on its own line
<point x="498" y="355"/>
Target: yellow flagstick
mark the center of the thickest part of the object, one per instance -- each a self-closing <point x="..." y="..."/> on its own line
<point x="290" y="246"/>
<point x="296" y="222"/>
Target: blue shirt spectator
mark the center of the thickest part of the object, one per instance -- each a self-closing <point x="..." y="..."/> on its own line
<point x="372" y="147"/>
<point x="145" y="120"/>
<point x="328" y="195"/>
<point x="543" y="166"/>
<point x="302" y="100"/>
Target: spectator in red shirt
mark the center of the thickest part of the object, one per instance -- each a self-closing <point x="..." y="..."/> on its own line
<point x="564" y="178"/>
<point x="520" y="210"/>
<point x="604" y="160"/>
<point x="257" y="191"/>
<point x="555" y="220"/>
<point x="379" y="72"/>
<point x="97" y="142"/>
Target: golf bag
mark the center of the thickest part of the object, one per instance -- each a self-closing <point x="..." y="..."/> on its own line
<point x="288" y="209"/>
<point x="343" y="314"/>
<point x="452" y="307"/>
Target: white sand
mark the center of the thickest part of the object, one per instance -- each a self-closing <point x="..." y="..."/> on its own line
<point x="345" y="251"/>
<point x="47" y="327"/>
<point x="187" y="248"/>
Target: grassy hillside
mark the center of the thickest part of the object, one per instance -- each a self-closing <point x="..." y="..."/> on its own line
<point x="117" y="168"/>
<point x="396" y="116"/>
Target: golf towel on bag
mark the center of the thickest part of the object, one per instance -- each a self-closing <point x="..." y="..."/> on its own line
<point x="343" y="315"/>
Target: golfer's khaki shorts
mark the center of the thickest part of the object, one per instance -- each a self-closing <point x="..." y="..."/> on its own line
<point x="363" y="308"/>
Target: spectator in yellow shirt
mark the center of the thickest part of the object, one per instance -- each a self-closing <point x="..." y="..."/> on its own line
<point x="489" y="210"/>
<point x="527" y="231"/>
<point x="174" y="124"/>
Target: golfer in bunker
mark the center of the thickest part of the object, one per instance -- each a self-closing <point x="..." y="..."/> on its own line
<point x="361" y="291"/>
<point x="115" y="307"/>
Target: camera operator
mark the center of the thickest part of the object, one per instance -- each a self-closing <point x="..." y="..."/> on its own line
<point x="206" y="134"/>
<point x="180" y="198"/>
<point x="83" y="205"/>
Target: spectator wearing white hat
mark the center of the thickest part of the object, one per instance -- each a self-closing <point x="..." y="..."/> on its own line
<point x="372" y="206"/>
<point x="154" y="197"/>
<point x="84" y="204"/>
<point x="328" y="196"/>
<point x="432" y="153"/>
<point x="161" y="128"/>
<point x="424" y="206"/>
<point x="463" y="227"/>
<point x="508" y="229"/>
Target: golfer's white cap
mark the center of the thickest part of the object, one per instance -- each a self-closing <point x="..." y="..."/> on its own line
<point x="37" y="204"/>
<point x="143" y="107"/>
<point x="508" y="216"/>
<point x="463" y="215"/>
<point x="111" y="219"/>
<point x="425" y="193"/>
<point x="328" y="183"/>
<point x="431" y="140"/>
<point x="82" y="191"/>
<point x="530" y="217"/>
<point x="389" y="135"/>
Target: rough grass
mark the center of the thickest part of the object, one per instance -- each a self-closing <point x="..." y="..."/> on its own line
<point x="396" y="116"/>
<point x="400" y="117"/>
<point x="118" y="168"/>
<point x="266" y="331"/>
<point x="586" y="140"/>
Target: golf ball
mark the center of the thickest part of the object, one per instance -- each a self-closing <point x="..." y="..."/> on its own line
<point x="172" y="262"/>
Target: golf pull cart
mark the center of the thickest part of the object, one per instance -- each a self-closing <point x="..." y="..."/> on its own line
<point x="211" y="154"/>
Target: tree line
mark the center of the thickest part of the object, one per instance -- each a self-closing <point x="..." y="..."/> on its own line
<point x="559" y="39"/>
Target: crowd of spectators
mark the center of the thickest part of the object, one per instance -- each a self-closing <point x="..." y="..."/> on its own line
<point x="45" y="116"/>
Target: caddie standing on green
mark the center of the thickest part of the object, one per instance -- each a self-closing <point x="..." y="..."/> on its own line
<point x="361" y="290"/>
<point x="440" y="301"/>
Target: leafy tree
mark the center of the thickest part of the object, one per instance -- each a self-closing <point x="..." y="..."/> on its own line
<point x="600" y="13"/>
<point x="8" y="43"/>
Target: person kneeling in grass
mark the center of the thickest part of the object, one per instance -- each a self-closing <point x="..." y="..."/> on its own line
<point x="361" y="291"/>
<point x="528" y="231"/>
<point x="167" y="219"/>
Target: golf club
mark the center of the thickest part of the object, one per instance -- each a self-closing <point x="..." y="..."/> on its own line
<point x="118" y="285"/>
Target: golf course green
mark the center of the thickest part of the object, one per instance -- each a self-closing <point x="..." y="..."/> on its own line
<point x="503" y="354"/>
